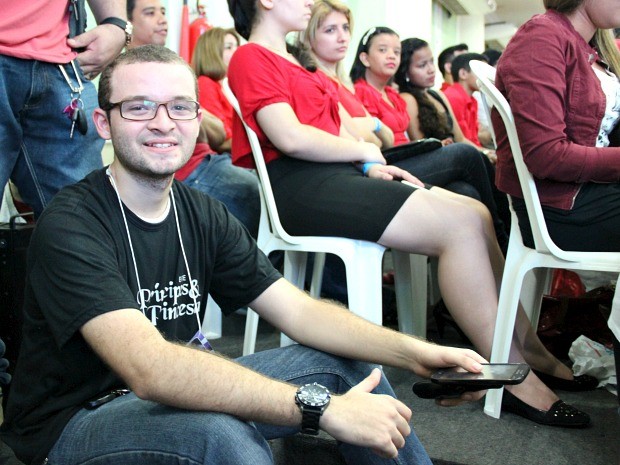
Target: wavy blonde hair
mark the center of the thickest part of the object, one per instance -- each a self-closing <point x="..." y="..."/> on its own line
<point x="320" y="10"/>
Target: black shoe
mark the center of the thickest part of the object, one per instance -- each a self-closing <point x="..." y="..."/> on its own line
<point x="560" y="414"/>
<point x="577" y="384"/>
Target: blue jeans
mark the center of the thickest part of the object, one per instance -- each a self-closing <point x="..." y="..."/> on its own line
<point x="133" y="431"/>
<point x="236" y="187"/>
<point x="37" y="153"/>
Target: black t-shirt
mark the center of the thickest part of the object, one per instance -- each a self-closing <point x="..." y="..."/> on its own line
<point x="80" y="265"/>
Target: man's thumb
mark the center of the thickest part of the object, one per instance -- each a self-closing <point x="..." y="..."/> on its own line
<point x="80" y="41"/>
<point x="370" y="382"/>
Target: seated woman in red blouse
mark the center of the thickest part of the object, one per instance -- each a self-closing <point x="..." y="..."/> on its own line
<point x="327" y="182"/>
<point x="207" y="170"/>
<point x="456" y="167"/>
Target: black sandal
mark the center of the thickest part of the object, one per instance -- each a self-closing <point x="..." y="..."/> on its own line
<point x="560" y="414"/>
<point x="577" y="384"/>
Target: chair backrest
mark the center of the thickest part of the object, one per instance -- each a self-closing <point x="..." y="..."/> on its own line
<point x="543" y="243"/>
<point x="261" y="168"/>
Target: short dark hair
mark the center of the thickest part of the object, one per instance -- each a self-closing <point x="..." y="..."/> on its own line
<point x="131" y="4"/>
<point x="462" y="62"/>
<point x="492" y="56"/>
<point x="143" y="54"/>
<point x="447" y="55"/>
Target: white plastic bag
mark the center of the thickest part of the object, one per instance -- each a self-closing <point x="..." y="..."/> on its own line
<point x="594" y="359"/>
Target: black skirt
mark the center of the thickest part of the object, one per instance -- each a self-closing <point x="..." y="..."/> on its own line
<point x="333" y="199"/>
<point x="592" y="225"/>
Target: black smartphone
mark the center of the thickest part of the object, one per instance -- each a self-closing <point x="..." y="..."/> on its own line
<point x="492" y="375"/>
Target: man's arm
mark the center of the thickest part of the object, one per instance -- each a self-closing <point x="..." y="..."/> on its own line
<point x="193" y="379"/>
<point x="103" y="43"/>
<point x="322" y="324"/>
<point x="280" y="124"/>
<point x="185" y="377"/>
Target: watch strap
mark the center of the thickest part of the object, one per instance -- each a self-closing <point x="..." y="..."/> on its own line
<point x="310" y="421"/>
<point x="126" y="26"/>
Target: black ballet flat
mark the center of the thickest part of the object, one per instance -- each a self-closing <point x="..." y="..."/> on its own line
<point x="577" y="384"/>
<point x="560" y="414"/>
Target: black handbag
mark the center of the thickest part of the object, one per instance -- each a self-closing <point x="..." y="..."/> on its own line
<point x="410" y="149"/>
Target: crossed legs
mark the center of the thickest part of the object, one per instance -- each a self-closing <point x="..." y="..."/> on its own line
<point x="460" y="232"/>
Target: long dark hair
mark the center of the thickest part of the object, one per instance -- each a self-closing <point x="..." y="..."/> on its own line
<point x="244" y="14"/>
<point x="432" y="123"/>
<point x="358" y="70"/>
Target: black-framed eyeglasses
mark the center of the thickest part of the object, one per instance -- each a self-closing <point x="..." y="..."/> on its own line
<point x="144" y="110"/>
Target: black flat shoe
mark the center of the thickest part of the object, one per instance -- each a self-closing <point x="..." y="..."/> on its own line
<point x="560" y="414"/>
<point x="577" y="384"/>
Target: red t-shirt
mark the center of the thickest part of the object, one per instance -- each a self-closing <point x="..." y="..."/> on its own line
<point x="350" y="102"/>
<point x="394" y="116"/>
<point x="212" y="99"/>
<point x="200" y="152"/>
<point x="36" y="30"/>
<point x="258" y="78"/>
<point x="465" y="108"/>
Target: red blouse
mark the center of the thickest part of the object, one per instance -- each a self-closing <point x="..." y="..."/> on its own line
<point x="212" y="99"/>
<point x="395" y="116"/>
<point x="350" y="102"/>
<point x="258" y="78"/>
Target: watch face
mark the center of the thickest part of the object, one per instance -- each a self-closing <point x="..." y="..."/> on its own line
<point x="314" y="395"/>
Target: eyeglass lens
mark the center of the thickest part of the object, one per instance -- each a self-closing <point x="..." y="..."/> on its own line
<point x="147" y="109"/>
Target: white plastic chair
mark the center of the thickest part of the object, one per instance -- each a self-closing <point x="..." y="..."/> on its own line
<point x="521" y="259"/>
<point x="362" y="259"/>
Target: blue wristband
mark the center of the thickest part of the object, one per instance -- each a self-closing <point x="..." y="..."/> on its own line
<point x="366" y="166"/>
<point x="377" y="125"/>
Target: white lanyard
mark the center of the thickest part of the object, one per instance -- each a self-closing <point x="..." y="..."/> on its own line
<point x="199" y="337"/>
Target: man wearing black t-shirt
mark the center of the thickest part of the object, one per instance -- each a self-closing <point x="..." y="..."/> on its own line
<point x="113" y="365"/>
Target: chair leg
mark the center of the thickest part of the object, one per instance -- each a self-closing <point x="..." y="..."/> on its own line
<point x="411" y="283"/>
<point x="434" y="293"/>
<point x="317" y="274"/>
<point x="212" y="321"/>
<point x="251" y="329"/>
<point x="504" y="328"/>
<point x="364" y="285"/>
<point x="295" y="272"/>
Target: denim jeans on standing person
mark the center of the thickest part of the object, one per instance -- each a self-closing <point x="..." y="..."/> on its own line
<point x="131" y="431"/>
<point x="37" y="152"/>
<point x="236" y="187"/>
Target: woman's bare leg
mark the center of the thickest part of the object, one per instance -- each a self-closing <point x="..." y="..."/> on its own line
<point x="470" y="267"/>
<point x="525" y="338"/>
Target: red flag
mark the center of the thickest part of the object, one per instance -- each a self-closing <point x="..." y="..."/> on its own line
<point x="184" y="45"/>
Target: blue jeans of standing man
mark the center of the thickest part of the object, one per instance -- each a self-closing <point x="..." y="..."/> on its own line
<point x="37" y="153"/>
<point x="131" y="431"/>
<point x="234" y="186"/>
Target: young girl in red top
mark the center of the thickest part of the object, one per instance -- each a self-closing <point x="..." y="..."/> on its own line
<point x="327" y="182"/>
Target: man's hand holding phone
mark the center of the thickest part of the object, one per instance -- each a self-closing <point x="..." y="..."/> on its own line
<point x="451" y="386"/>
